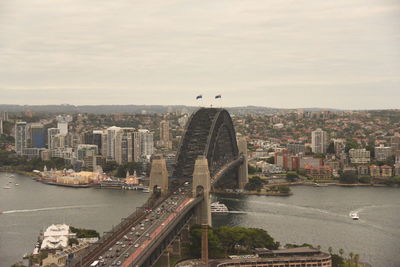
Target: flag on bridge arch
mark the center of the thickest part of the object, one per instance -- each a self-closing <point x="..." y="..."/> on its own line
<point x="218" y="96"/>
<point x="199" y="97"/>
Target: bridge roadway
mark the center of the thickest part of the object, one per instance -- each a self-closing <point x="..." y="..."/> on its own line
<point x="126" y="250"/>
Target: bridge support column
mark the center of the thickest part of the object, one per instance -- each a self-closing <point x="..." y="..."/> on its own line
<point x="243" y="169"/>
<point x="159" y="175"/>
<point x="175" y="248"/>
<point x="202" y="184"/>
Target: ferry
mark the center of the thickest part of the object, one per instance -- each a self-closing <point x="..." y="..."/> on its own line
<point x="354" y="216"/>
<point x="217" y="207"/>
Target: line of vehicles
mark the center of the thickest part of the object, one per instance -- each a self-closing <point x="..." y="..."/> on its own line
<point x="139" y="236"/>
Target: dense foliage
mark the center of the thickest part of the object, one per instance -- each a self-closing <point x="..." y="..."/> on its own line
<point x="84" y="233"/>
<point x="10" y="159"/>
<point x="255" y="184"/>
<point x="224" y="241"/>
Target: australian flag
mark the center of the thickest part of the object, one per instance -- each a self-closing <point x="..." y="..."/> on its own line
<point x="199" y="97"/>
<point x="217" y="96"/>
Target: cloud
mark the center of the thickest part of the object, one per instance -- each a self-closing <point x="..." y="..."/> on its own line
<point x="141" y="49"/>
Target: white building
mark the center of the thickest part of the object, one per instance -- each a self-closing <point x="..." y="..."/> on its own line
<point x="111" y="138"/>
<point x="20" y="137"/>
<point x="56" y="237"/>
<point x="319" y="141"/>
<point x="359" y="156"/>
<point x="147" y="142"/>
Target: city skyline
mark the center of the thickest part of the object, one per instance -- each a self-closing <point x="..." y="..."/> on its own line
<point x="280" y="54"/>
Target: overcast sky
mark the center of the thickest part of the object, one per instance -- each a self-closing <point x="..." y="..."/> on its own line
<point x="280" y="53"/>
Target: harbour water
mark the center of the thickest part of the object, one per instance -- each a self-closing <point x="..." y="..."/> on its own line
<point x="315" y="215"/>
<point x="321" y="216"/>
<point x="32" y="206"/>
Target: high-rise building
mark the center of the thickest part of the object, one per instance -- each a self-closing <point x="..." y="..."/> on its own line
<point x="97" y="139"/>
<point x="111" y="138"/>
<point x="37" y="135"/>
<point x="1" y="126"/>
<point x="147" y="143"/>
<point x="124" y="145"/>
<point x="62" y="123"/>
<point x="165" y="140"/>
<point x="137" y="144"/>
<point x="20" y="137"/>
<point x="319" y="141"/>
<point x="51" y="132"/>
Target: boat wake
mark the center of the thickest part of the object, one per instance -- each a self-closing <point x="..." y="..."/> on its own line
<point x="52" y="208"/>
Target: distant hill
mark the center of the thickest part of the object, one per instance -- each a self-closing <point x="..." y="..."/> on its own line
<point x="107" y="109"/>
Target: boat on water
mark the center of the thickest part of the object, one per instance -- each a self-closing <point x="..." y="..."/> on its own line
<point x="320" y="185"/>
<point x="217" y="207"/>
<point x="354" y="216"/>
<point x="6" y="187"/>
<point x="16" y="184"/>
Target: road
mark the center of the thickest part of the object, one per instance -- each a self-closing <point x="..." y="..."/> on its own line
<point x="126" y="250"/>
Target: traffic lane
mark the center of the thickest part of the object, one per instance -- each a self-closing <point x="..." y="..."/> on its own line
<point x="165" y="223"/>
<point x="131" y="248"/>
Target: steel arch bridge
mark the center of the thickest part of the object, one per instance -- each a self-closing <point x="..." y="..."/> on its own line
<point x="209" y="133"/>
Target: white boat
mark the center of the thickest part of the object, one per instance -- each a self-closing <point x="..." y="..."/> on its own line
<point x="217" y="207"/>
<point x="17" y="184"/>
<point x="6" y="187"/>
<point x="354" y="216"/>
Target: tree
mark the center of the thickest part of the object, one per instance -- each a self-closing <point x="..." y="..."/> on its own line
<point x="348" y="177"/>
<point x="341" y="251"/>
<point x="110" y="166"/>
<point x="252" y="169"/>
<point x="271" y="160"/>
<point x="331" y="148"/>
<point x="292" y="176"/>
<point x="330" y="250"/>
<point x="255" y="184"/>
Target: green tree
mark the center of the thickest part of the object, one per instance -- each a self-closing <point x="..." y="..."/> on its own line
<point x="348" y="177"/>
<point x="255" y="184"/>
<point x="331" y="148"/>
<point x="271" y="160"/>
<point x="292" y="176"/>
<point x="252" y="169"/>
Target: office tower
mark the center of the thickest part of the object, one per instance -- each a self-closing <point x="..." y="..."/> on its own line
<point x="111" y="138"/>
<point x="97" y="139"/>
<point x="1" y="126"/>
<point x="137" y="143"/>
<point x="62" y="123"/>
<point x="124" y="145"/>
<point x="104" y="144"/>
<point x="164" y="135"/>
<point x="20" y="137"/>
<point x="147" y="143"/>
<point x="37" y="135"/>
<point x="51" y="132"/>
<point x="319" y="141"/>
